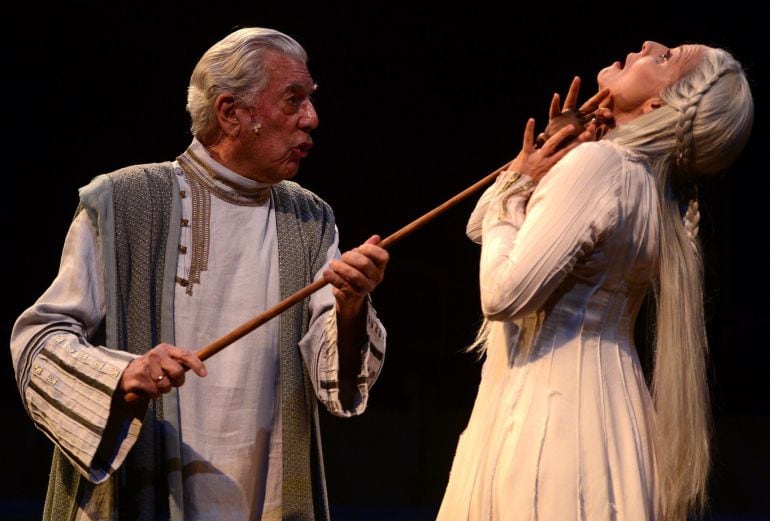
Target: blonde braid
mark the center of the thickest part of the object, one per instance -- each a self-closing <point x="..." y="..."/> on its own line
<point x="691" y="221"/>
<point x="684" y="152"/>
<point x="683" y="131"/>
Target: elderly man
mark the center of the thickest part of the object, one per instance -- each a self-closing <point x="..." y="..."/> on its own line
<point x="180" y="253"/>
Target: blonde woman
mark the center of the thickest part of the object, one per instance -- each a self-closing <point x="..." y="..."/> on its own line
<point x="564" y="426"/>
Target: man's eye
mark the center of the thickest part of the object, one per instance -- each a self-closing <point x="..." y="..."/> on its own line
<point x="663" y="58"/>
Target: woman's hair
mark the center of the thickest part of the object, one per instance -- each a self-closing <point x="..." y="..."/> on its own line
<point x="236" y="65"/>
<point x="701" y="129"/>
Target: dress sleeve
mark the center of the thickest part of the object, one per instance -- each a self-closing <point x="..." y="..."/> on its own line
<point x="319" y="348"/>
<point x="530" y="247"/>
<point x="511" y="183"/>
<point x="65" y="382"/>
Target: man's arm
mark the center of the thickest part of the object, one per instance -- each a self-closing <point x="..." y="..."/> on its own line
<point x="344" y="346"/>
<point x="353" y="277"/>
<point x="75" y="390"/>
<point x="66" y="383"/>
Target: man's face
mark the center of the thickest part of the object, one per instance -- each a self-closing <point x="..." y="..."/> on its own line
<point x="285" y="116"/>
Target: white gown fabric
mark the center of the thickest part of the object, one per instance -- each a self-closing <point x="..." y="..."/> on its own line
<point x="562" y="424"/>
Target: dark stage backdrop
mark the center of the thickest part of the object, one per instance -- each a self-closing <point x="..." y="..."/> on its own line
<point x="415" y="105"/>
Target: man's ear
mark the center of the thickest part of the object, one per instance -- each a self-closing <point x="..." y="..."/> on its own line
<point x="224" y="108"/>
<point x="652" y="104"/>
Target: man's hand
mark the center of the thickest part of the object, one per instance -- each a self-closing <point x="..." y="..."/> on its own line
<point x="158" y="371"/>
<point x="352" y="278"/>
<point x="356" y="274"/>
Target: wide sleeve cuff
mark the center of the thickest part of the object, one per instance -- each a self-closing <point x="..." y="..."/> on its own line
<point x="69" y="392"/>
<point x="372" y="356"/>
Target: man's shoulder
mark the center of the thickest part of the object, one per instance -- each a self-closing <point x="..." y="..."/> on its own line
<point x="128" y="173"/>
<point x="141" y="180"/>
<point x="160" y="170"/>
<point x="293" y="194"/>
<point x="293" y="189"/>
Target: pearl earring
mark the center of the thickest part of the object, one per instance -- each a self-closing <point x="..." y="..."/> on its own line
<point x="256" y="127"/>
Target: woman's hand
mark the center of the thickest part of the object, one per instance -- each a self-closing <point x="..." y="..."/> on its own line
<point x="594" y="115"/>
<point x="598" y="102"/>
<point x="537" y="162"/>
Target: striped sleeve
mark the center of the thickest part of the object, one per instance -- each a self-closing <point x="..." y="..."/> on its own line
<point x="67" y="384"/>
<point x="69" y="394"/>
<point x="321" y="356"/>
<point x="327" y="365"/>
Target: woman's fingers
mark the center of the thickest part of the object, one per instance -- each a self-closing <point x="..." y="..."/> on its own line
<point x="600" y="99"/>
<point x="529" y="135"/>
<point x="556" y="141"/>
<point x="572" y="94"/>
<point x="555" y="108"/>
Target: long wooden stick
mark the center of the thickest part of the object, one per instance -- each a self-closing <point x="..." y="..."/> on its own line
<point x="247" y="327"/>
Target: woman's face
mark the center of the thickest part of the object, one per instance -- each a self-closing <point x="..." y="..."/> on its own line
<point x="635" y="85"/>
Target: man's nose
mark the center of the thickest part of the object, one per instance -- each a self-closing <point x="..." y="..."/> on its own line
<point x="309" y="118"/>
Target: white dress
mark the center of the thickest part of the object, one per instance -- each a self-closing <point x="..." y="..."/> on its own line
<point x="562" y="425"/>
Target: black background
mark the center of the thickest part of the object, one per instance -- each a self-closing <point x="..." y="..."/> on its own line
<point x="415" y="105"/>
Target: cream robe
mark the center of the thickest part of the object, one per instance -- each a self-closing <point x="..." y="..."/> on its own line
<point x="230" y="420"/>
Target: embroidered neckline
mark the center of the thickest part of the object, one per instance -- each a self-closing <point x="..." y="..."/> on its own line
<point x="198" y="172"/>
<point x="203" y="182"/>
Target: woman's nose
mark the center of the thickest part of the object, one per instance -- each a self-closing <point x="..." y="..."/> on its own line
<point x="649" y="47"/>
